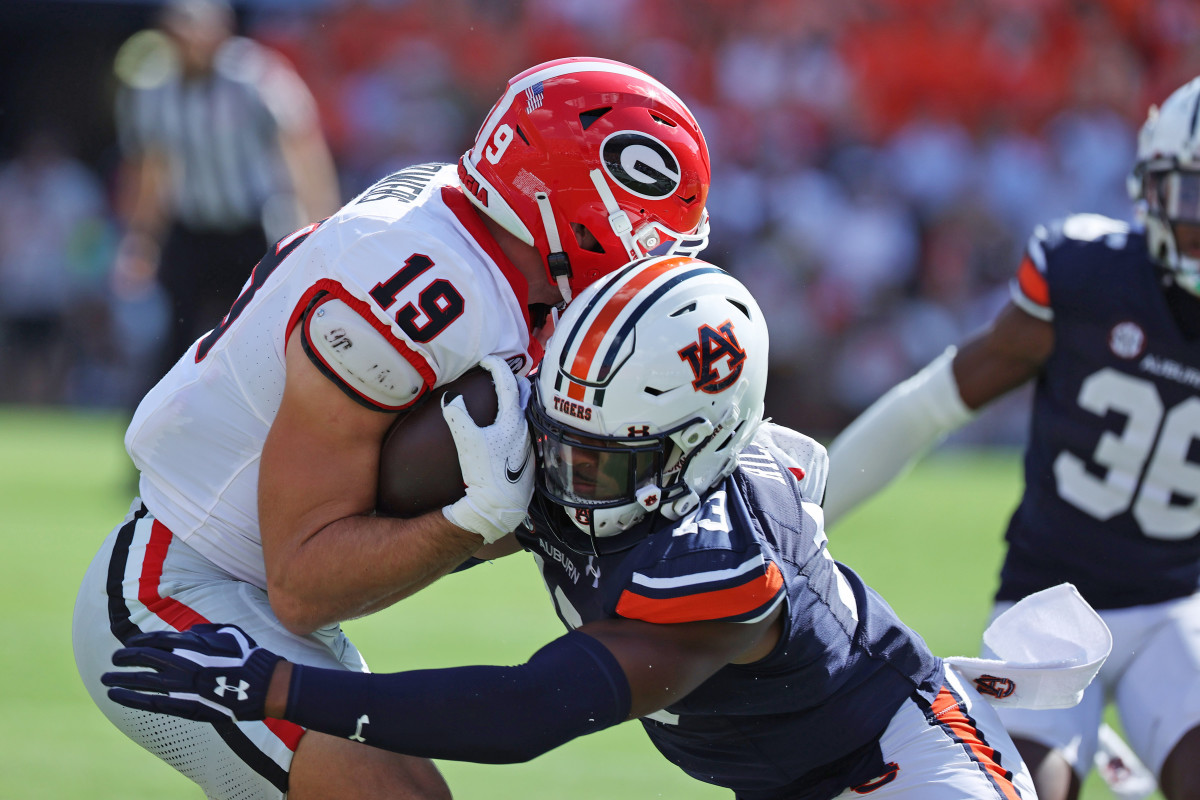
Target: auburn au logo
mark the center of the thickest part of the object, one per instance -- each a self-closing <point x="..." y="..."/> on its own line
<point x="715" y="345"/>
<point x="995" y="687"/>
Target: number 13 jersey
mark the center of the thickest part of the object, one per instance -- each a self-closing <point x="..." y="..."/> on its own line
<point x="402" y="290"/>
<point x="1112" y="469"/>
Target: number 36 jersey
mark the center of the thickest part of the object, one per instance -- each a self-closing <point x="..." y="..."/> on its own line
<point x="401" y="290"/>
<point x="1112" y="469"/>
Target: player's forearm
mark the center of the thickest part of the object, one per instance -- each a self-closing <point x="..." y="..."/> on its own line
<point x="360" y="564"/>
<point x="314" y="175"/>
<point x="890" y="435"/>
<point x="571" y="687"/>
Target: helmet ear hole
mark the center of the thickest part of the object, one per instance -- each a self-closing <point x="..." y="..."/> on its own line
<point x="586" y="239"/>
<point x="588" y="118"/>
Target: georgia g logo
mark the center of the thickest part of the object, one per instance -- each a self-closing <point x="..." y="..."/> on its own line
<point x="715" y="345"/>
<point x="643" y="165"/>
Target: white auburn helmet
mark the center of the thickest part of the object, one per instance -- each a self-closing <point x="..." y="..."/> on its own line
<point x="594" y="144"/>
<point x="1165" y="180"/>
<point x="652" y="383"/>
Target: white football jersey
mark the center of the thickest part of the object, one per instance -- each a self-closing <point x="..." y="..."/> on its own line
<point x="431" y="294"/>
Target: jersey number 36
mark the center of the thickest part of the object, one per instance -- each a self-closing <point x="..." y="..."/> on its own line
<point x="1146" y="466"/>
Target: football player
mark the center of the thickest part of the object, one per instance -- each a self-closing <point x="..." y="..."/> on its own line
<point x="259" y="450"/>
<point x="682" y="544"/>
<point x="1106" y="321"/>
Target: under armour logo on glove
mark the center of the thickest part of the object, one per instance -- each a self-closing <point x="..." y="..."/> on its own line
<point x="223" y="686"/>
<point x="189" y="668"/>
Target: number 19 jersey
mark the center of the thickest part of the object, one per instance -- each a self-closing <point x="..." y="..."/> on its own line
<point x="417" y="282"/>
<point x="1112" y="469"/>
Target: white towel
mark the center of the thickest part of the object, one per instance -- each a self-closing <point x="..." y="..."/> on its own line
<point x="1048" y="647"/>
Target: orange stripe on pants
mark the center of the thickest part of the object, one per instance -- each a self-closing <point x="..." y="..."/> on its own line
<point x="949" y="713"/>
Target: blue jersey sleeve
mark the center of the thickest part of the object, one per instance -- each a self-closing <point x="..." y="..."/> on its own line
<point x="712" y="568"/>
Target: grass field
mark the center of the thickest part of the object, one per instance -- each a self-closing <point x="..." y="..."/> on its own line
<point x="930" y="544"/>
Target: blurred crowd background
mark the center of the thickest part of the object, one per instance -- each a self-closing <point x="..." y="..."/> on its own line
<point x="878" y="164"/>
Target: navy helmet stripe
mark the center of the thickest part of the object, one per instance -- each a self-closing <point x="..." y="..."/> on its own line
<point x="640" y="311"/>
<point x="600" y="297"/>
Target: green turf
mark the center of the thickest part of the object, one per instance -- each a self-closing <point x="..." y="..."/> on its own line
<point x="930" y="544"/>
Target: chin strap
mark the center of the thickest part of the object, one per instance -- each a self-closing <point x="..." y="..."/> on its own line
<point x="618" y="219"/>
<point x="680" y="507"/>
<point x="557" y="262"/>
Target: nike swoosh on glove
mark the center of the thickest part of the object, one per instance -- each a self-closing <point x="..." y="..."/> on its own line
<point x="211" y="673"/>
<point x="495" y="459"/>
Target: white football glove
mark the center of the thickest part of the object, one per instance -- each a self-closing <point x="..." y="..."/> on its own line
<point x="497" y="460"/>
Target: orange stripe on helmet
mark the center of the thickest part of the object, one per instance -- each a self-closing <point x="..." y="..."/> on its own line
<point x="719" y="604"/>
<point x="590" y="342"/>
<point x="1033" y="283"/>
<point x="950" y="714"/>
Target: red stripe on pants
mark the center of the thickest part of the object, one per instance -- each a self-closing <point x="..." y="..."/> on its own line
<point x="181" y="617"/>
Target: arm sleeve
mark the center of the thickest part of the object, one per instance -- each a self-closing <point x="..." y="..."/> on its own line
<point x="493" y="715"/>
<point x="889" y="436"/>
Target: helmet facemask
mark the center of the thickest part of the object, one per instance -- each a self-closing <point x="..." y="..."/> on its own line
<point x="1170" y="210"/>
<point x="606" y="484"/>
<point x="1165" y="184"/>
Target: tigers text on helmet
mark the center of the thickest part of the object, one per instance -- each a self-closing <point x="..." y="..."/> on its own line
<point x="582" y="146"/>
<point x="651" y="384"/>
<point x="1165" y="181"/>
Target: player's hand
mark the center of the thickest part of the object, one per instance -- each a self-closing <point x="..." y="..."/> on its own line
<point x="212" y="673"/>
<point x="496" y="460"/>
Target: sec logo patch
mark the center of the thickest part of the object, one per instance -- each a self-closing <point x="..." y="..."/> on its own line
<point x="1127" y="340"/>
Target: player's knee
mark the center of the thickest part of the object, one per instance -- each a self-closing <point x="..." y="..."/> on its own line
<point x="1180" y="776"/>
<point x="329" y="768"/>
<point x="1053" y="777"/>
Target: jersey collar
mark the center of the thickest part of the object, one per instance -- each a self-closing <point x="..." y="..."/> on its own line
<point x="469" y="217"/>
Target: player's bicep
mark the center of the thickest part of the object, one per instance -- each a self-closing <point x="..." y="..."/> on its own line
<point x="664" y="663"/>
<point x="1003" y="357"/>
<point x="320" y="459"/>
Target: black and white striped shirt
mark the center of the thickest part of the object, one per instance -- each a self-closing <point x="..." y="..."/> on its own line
<point x="219" y="132"/>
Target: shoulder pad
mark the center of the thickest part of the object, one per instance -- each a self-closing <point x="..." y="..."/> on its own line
<point x="358" y="357"/>
<point x="1058" y="240"/>
<point x="1075" y="229"/>
<point x="802" y="455"/>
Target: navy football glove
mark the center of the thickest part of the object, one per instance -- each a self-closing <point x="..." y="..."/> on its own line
<point x="211" y="673"/>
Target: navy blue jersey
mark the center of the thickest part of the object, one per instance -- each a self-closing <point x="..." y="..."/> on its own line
<point x="802" y="722"/>
<point x="1112" y="470"/>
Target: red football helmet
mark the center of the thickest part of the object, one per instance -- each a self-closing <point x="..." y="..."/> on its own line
<point x="591" y="146"/>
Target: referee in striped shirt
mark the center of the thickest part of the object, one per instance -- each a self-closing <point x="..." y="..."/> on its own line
<point x="222" y="153"/>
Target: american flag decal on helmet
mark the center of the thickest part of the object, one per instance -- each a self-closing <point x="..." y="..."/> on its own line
<point x="533" y="96"/>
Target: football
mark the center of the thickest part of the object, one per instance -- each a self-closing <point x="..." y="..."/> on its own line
<point x="418" y="463"/>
